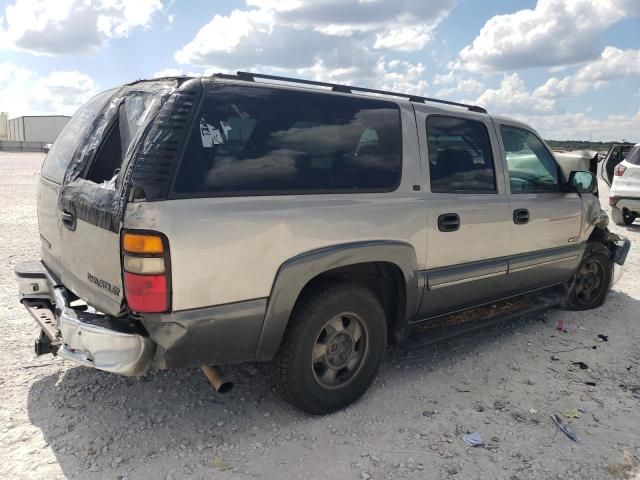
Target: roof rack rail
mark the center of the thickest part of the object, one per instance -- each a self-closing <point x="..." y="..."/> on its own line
<point x="250" y="77"/>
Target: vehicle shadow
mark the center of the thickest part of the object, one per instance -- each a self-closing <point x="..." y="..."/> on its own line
<point x="101" y="425"/>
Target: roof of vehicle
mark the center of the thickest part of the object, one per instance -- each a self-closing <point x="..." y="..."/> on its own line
<point x="258" y="79"/>
<point x="288" y="82"/>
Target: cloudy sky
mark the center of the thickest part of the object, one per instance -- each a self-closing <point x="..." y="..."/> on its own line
<point x="571" y="68"/>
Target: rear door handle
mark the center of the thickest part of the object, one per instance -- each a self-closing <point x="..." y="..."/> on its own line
<point x="68" y="219"/>
<point x="520" y="216"/>
<point x="448" y="222"/>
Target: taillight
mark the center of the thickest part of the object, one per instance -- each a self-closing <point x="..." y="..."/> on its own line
<point x="612" y="201"/>
<point x="619" y="170"/>
<point x="145" y="262"/>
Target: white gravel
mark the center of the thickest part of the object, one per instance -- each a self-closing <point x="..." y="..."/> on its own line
<point x="59" y="421"/>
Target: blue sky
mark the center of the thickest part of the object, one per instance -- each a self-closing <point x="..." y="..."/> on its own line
<point x="570" y="68"/>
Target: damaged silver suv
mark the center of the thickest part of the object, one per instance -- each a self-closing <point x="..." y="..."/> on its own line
<point x="207" y="221"/>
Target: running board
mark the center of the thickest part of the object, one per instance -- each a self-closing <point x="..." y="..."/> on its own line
<point x="442" y="328"/>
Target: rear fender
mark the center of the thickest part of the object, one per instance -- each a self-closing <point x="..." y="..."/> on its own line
<point x="296" y="273"/>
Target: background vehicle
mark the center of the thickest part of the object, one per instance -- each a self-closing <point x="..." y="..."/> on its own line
<point x="224" y="219"/>
<point x="624" y="195"/>
<point x="616" y="154"/>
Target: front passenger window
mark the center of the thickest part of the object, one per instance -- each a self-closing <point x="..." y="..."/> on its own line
<point x="531" y="167"/>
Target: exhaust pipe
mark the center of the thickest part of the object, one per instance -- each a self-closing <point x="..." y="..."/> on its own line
<point x="216" y="379"/>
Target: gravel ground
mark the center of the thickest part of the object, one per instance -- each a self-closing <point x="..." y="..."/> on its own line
<point x="62" y="421"/>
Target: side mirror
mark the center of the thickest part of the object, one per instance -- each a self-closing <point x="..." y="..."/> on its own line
<point x="583" y="182"/>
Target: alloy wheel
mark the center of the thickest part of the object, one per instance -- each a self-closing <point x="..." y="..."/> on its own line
<point x="339" y="350"/>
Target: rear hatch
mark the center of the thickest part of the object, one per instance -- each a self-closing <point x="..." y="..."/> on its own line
<point x="84" y="187"/>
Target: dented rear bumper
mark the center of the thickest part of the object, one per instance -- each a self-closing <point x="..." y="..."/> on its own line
<point x="90" y="339"/>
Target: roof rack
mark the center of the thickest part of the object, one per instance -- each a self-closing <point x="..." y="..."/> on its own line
<point x="250" y="77"/>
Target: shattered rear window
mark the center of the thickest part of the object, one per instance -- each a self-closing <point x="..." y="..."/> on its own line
<point x="58" y="158"/>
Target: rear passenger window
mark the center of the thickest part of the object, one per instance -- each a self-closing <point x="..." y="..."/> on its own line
<point x="460" y="158"/>
<point x="261" y="141"/>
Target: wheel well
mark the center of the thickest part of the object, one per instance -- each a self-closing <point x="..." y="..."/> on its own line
<point x="384" y="279"/>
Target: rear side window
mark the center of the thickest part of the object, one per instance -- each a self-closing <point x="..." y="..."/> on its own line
<point x="460" y="158"/>
<point x="55" y="164"/>
<point x="260" y="141"/>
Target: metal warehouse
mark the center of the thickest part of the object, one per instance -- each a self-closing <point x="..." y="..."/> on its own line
<point x="36" y="128"/>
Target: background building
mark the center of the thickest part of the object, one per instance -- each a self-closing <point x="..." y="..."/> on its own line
<point x="36" y="128"/>
<point x="3" y="125"/>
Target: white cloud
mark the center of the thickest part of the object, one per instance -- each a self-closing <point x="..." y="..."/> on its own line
<point x="463" y="86"/>
<point x="613" y="64"/>
<point x="543" y="114"/>
<point x="445" y="78"/>
<point x="555" y="32"/>
<point x="407" y="39"/>
<point x="339" y="39"/>
<point x="72" y="26"/>
<point x="512" y="97"/>
<point x="23" y="92"/>
<point x="580" y="126"/>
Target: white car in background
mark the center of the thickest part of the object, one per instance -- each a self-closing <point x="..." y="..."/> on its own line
<point x="624" y="196"/>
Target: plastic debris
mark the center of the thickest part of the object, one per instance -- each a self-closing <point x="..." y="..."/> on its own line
<point x="560" y="326"/>
<point x="582" y="365"/>
<point x="573" y="413"/>
<point x="604" y="338"/>
<point x="473" y="439"/>
<point x="564" y="428"/>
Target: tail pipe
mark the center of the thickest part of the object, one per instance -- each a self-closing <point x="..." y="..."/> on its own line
<point x="216" y="379"/>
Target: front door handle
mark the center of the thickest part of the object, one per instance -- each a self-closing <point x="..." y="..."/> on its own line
<point x="520" y="216"/>
<point x="448" y="222"/>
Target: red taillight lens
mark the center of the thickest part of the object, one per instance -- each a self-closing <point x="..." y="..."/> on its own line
<point x="146" y="293"/>
<point x="145" y="270"/>
<point x="619" y="170"/>
<point x="612" y="201"/>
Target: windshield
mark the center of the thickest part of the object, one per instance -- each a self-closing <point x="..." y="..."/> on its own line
<point x="62" y="150"/>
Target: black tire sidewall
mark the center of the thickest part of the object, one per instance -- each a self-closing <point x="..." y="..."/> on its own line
<point x="308" y="320"/>
<point x="606" y="263"/>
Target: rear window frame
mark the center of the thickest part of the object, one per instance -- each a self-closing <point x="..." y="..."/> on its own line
<point x="209" y="90"/>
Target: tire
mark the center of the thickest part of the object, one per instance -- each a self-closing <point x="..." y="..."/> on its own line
<point x="622" y="216"/>
<point x="341" y="370"/>
<point x="591" y="283"/>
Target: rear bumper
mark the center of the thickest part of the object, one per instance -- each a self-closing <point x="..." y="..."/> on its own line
<point x="128" y="346"/>
<point x="90" y="339"/>
<point x="631" y="203"/>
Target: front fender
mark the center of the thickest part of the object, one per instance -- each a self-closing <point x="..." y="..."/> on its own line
<point x="294" y="274"/>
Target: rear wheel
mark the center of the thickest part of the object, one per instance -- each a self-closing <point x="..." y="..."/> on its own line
<point x="622" y="216"/>
<point x="332" y="349"/>
<point x="592" y="280"/>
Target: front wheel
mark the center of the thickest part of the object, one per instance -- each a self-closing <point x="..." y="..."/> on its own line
<point x="592" y="279"/>
<point x="332" y="349"/>
<point x="622" y="216"/>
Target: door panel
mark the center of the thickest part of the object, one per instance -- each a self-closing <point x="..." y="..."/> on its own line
<point x="554" y="219"/>
<point x="483" y="233"/>
<point x="468" y="212"/>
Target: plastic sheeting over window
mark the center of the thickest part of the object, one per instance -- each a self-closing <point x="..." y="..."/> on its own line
<point x="60" y="154"/>
<point x="124" y="117"/>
